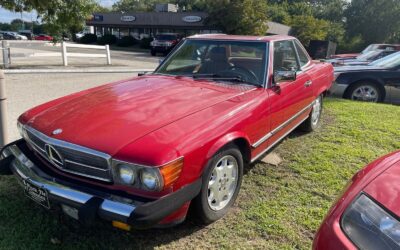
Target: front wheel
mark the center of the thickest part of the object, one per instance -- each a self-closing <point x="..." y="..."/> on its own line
<point x="221" y="184"/>
<point x="365" y="91"/>
<point x="314" y="119"/>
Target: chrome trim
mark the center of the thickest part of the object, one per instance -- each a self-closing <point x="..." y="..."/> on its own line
<point x="280" y="127"/>
<point x="23" y="168"/>
<point x="55" y="142"/>
<point x="86" y="166"/>
<point x="277" y="141"/>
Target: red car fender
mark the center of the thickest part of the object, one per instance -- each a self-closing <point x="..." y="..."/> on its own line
<point x="226" y="139"/>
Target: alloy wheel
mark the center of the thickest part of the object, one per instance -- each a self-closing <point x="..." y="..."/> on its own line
<point x="223" y="182"/>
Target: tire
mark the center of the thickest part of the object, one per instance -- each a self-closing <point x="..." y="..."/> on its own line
<point x="365" y="91"/>
<point x="153" y="53"/>
<point x="204" y="207"/>
<point x="314" y="119"/>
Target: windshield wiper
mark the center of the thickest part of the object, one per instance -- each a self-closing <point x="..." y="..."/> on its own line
<point x="223" y="78"/>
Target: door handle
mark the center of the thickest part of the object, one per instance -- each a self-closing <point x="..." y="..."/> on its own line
<point x="308" y="83"/>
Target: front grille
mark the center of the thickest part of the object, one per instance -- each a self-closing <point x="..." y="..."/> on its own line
<point x="75" y="159"/>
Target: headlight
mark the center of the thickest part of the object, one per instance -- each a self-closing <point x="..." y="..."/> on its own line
<point x="369" y="226"/>
<point x="151" y="179"/>
<point x="147" y="178"/>
<point x="127" y="174"/>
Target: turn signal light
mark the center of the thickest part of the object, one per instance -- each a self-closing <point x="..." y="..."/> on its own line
<point x="171" y="172"/>
<point x="121" y="225"/>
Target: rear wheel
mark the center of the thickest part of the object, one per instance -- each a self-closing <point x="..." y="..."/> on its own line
<point x="313" y="120"/>
<point x="365" y="91"/>
<point x="153" y="53"/>
<point x="221" y="184"/>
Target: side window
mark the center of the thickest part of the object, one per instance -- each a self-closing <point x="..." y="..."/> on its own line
<point x="303" y="59"/>
<point x="285" y="58"/>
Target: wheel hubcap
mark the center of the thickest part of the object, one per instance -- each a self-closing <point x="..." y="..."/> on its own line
<point x="223" y="182"/>
<point x="365" y="93"/>
<point x="316" y="112"/>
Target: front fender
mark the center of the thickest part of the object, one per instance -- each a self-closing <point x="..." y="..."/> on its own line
<point x="226" y="139"/>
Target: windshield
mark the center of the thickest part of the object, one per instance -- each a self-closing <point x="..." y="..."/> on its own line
<point x="232" y="61"/>
<point x="368" y="55"/>
<point x="390" y="61"/>
<point x="371" y="47"/>
<point x="166" y="37"/>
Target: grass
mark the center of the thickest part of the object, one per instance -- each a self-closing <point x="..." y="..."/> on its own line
<point x="278" y="207"/>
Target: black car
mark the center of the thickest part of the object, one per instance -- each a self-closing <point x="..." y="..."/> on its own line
<point x="164" y="43"/>
<point x="376" y="82"/>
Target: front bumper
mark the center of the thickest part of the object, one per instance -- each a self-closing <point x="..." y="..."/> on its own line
<point x="91" y="204"/>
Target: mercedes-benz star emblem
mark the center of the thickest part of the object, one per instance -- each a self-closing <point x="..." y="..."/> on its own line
<point x="57" y="131"/>
<point x="54" y="156"/>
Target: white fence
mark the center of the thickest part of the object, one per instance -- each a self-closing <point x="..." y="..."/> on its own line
<point x="66" y="54"/>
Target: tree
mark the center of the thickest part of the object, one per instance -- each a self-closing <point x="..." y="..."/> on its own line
<point x="60" y="16"/>
<point x="245" y="17"/>
<point x="375" y="21"/>
<point x="136" y="5"/>
<point x="307" y="28"/>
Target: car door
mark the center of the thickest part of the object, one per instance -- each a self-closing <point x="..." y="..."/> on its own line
<point x="295" y="95"/>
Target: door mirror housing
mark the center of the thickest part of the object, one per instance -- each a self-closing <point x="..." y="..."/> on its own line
<point x="284" y="76"/>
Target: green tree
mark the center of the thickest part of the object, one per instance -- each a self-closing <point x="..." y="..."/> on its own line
<point x="136" y="5"/>
<point x="245" y="17"/>
<point x="375" y="21"/>
<point x="307" y="28"/>
<point x="59" y="16"/>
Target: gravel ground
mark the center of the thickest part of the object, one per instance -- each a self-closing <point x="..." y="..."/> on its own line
<point x="25" y="91"/>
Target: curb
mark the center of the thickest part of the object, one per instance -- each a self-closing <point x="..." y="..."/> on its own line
<point x="55" y="71"/>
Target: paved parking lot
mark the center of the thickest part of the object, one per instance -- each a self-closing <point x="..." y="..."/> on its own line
<point x="25" y="91"/>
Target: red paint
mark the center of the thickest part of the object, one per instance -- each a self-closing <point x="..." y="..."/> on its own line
<point x="379" y="179"/>
<point x="153" y="119"/>
<point x="43" y="38"/>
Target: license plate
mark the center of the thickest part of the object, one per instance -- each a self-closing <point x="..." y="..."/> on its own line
<point x="36" y="193"/>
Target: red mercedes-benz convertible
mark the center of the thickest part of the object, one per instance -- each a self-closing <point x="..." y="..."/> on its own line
<point x="139" y="152"/>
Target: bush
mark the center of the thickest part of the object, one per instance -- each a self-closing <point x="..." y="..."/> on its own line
<point x="126" y="41"/>
<point x="107" y="39"/>
<point x="88" y="38"/>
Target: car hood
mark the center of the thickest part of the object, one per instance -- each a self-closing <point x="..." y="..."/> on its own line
<point x="386" y="188"/>
<point x="114" y="115"/>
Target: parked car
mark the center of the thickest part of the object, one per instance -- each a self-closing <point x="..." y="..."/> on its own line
<point x="27" y="33"/>
<point x="371" y="47"/>
<point x="139" y="152"/>
<point x="43" y="37"/>
<point x="375" y="82"/>
<point x="80" y="35"/>
<point x="367" y="215"/>
<point x="362" y="59"/>
<point x="164" y="43"/>
<point x="13" y="36"/>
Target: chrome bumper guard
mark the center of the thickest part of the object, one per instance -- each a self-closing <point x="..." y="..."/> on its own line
<point x="25" y="170"/>
<point x="87" y="206"/>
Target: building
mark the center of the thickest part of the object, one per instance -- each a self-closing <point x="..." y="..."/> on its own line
<point x="165" y="18"/>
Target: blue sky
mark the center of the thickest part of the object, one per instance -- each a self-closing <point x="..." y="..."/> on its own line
<point x="7" y="16"/>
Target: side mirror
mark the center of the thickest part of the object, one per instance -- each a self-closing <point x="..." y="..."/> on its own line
<point x="284" y="76"/>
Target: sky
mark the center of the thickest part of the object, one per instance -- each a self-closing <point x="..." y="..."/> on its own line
<point x="7" y="16"/>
